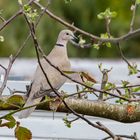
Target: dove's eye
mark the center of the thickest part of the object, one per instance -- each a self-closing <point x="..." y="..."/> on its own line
<point x="67" y="33"/>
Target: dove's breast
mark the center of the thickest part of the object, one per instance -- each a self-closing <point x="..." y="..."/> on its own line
<point x="54" y="76"/>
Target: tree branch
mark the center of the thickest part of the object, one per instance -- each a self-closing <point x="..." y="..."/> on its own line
<point x="116" y="112"/>
<point x="71" y="26"/>
<point x="134" y="8"/>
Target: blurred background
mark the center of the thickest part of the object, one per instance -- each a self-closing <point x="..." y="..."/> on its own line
<point x="83" y="13"/>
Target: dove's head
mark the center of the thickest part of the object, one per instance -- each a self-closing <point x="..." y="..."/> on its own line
<point x="65" y="36"/>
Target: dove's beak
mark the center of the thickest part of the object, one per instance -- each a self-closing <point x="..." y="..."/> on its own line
<point x="74" y="38"/>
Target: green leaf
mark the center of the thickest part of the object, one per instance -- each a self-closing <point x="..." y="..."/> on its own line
<point x="11" y="122"/>
<point x="96" y="46"/>
<point x="120" y="101"/>
<point x="106" y="36"/>
<point x="1" y="39"/>
<point x="107" y="14"/>
<point x="133" y="69"/>
<point x="16" y="99"/>
<point x="108" y="44"/>
<point x="81" y="41"/>
<point x="101" y="16"/>
<point x="70" y="72"/>
<point x="110" y="86"/>
<point x="31" y="13"/>
<point x="88" y="83"/>
<point x="22" y="133"/>
<point x="67" y="123"/>
<point x="27" y="8"/>
<point x="113" y="14"/>
<point x="125" y="83"/>
<point x="136" y="89"/>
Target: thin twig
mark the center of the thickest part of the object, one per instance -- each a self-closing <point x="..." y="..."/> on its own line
<point x="2" y="19"/>
<point x="122" y="136"/>
<point x="124" y="58"/>
<point x="3" y="67"/>
<point x="7" y="71"/>
<point x="107" y="20"/>
<point x="3" y="25"/>
<point x="111" y="134"/>
<point x="134" y="8"/>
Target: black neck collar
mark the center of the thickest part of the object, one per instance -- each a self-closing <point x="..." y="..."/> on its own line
<point x="60" y="45"/>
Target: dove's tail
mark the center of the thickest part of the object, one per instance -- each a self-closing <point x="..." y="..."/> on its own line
<point x="25" y="113"/>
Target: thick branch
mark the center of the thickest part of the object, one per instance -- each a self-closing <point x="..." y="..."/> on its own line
<point x="116" y="112"/>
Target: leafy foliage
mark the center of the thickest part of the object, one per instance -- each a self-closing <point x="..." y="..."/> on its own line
<point x="16" y="100"/>
<point x="133" y="69"/>
<point x="10" y="122"/>
<point x="22" y="133"/>
<point x="67" y="122"/>
<point x="106" y="36"/>
<point x="107" y="14"/>
<point x="81" y="41"/>
<point x="31" y="13"/>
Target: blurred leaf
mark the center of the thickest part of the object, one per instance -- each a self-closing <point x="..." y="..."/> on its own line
<point x="132" y="69"/>
<point x="27" y="8"/>
<point x="1" y="39"/>
<point x="96" y="46"/>
<point x="88" y="77"/>
<point x="70" y="72"/>
<point x="81" y="41"/>
<point x="110" y="86"/>
<point x="22" y="133"/>
<point x="107" y="14"/>
<point x="67" y="123"/>
<point x="136" y="89"/>
<point x="20" y="2"/>
<point x="120" y="101"/>
<point x="101" y="16"/>
<point x="125" y="83"/>
<point x="88" y="83"/>
<point x="31" y="13"/>
<point x="16" y="99"/>
<point x="108" y="44"/>
<point x="105" y="36"/>
<point x="11" y="122"/>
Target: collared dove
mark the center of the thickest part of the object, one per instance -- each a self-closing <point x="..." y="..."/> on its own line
<point x="58" y="57"/>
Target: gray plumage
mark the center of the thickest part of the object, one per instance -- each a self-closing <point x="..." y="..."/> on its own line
<point x="58" y="57"/>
